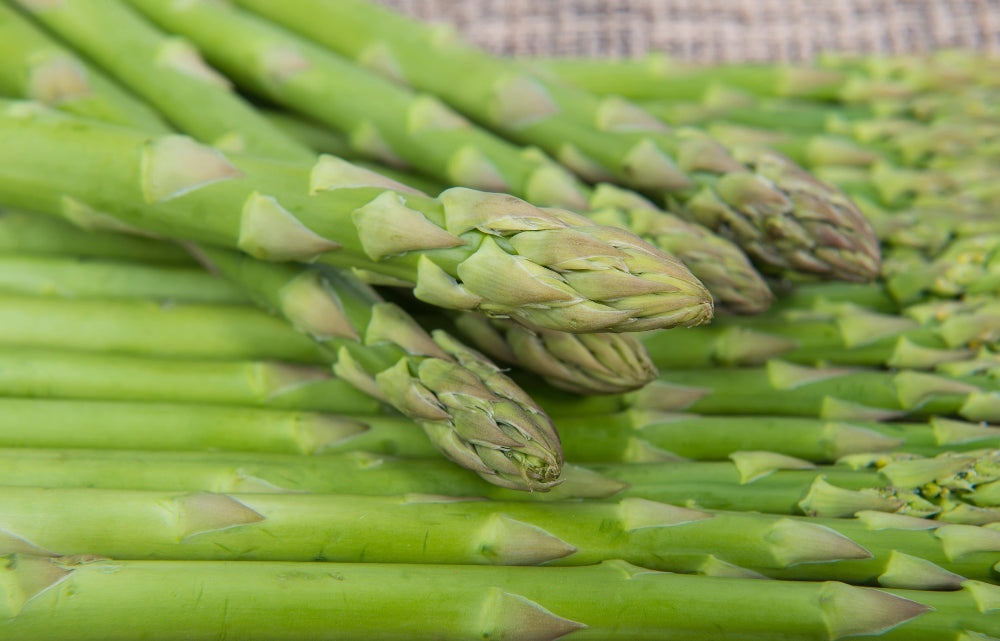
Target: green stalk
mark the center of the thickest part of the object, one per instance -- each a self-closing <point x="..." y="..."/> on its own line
<point x="951" y="487"/>
<point x="779" y="214"/>
<point x="626" y="437"/>
<point x="139" y="328"/>
<point x="25" y="233"/>
<point x="89" y="278"/>
<point x="299" y="527"/>
<point x="470" y="410"/>
<point x="966" y="266"/>
<point x="107" y="177"/>
<point x="658" y="76"/>
<point x="78" y="375"/>
<point x="175" y="426"/>
<point x="203" y="599"/>
<point x="922" y="337"/>
<point x="168" y="73"/>
<point x="38" y="68"/>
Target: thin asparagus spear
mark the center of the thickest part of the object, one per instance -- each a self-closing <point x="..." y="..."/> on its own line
<point x="785" y="389"/>
<point x="103" y="599"/>
<point x="545" y="267"/>
<point x="26" y="233"/>
<point x="922" y="337"/>
<point x="38" y="68"/>
<point x="86" y="278"/>
<point x="168" y="73"/>
<point x="779" y="214"/>
<point x="77" y="375"/>
<point x="891" y="552"/>
<point x="958" y="488"/>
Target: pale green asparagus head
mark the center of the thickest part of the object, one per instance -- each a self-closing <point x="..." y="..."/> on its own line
<point x="600" y="363"/>
<point x="717" y="262"/>
<point x="785" y="218"/>
<point x="557" y="270"/>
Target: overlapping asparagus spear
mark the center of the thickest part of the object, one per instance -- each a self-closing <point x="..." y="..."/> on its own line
<point x="909" y="553"/>
<point x="349" y="601"/>
<point x="778" y="213"/>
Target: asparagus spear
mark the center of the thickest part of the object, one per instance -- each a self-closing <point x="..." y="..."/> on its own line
<point x="168" y="73"/>
<point x="86" y="278"/>
<point x="25" y="233"/>
<point x="779" y="214"/>
<point x="626" y="437"/>
<point x="425" y="134"/>
<point x="548" y="268"/>
<point x="785" y="389"/>
<point x="203" y="599"/>
<point x="29" y="372"/>
<point x="471" y="411"/>
<point x="38" y="68"/>
<point x="951" y="487"/>
<point x="922" y="337"/>
<point x="299" y="527"/>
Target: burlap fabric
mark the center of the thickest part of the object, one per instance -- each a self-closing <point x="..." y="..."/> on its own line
<point x="716" y="30"/>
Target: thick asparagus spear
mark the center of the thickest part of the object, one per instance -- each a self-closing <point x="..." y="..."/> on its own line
<point x="778" y="213"/>
<point x="103" y="599"/>
<point x="548" y="268"/>
<point x="879" y="550"/>
<point x="626" y="437"/>
<point x="38" y="68"/>
<point x="470" y="410"/>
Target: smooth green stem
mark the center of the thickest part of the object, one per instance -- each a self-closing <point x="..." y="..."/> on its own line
<point x="195" y="600"/>
<point x="136" y="525"/>
<point x="78" y="375"/>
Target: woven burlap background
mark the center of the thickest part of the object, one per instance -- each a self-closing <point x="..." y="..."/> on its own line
<point x="716" y="30"/>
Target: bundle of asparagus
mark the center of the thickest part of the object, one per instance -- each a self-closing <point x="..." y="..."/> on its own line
<point x="225" y="412"/>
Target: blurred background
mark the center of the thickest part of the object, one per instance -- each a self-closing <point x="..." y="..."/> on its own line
<point x="716" y="30"/>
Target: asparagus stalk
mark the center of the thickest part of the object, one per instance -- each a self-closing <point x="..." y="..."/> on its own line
<point x="472" y="412"/>
<point x="779" y="214"/>
<point x="168" y="73"/>
<point x="554" y="266"/>
<point x="86" y="278"/>
<point x="785" y="389"/>
<point x="624" y="437"/>
<point x="966" y="266"/>
<point x="299" y="527"/>
<point x="201" y="599"/>
<point x="26" y="233"/>
<point x="923" y="337"/>
<point x="26" y="372"/>
<point x="38" y="68"/>
<point x="951" y="487"/>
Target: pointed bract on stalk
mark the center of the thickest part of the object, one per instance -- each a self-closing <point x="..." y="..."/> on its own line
<point x="599" y="363"/>
<point x="471" y="411"/>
